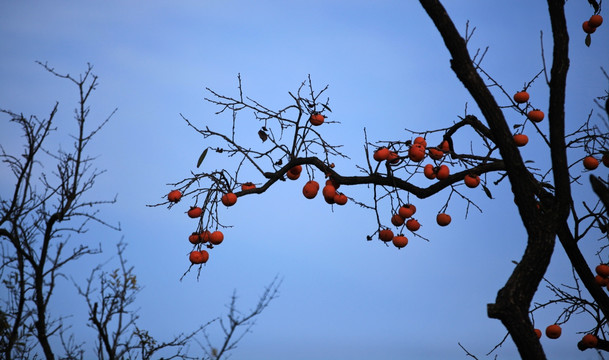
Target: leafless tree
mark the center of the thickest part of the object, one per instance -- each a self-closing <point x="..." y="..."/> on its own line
<point x="36" y="224"/>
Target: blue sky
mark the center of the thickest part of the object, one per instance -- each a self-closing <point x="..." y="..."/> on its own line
<point x="387" y="69"/>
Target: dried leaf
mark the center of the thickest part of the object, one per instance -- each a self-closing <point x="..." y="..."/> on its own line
<point x="588" y="40"/>
<point x="516" y="126"/>
<point x="487" y="192"/>
<point x="203" y="154"/>
<point x="263" y="136"/>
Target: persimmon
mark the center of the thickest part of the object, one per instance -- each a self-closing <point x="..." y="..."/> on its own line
<point x="310" y="189"/>
<point x="174" y="196"/>
<point x="204" y="237"/>
<point x="553" y="331"/>
<point x="435" y="154"/>
<point x="229" y="199"/>
<point x="443" y="172"/>
<point x="587" y="28"/>
<point x="413" y="225"/>
<point x="216" y="237"/>
<point x="535" y="115"/>
<point x="590" y="162"/>
<point x="292" y="176"/>
<point x="397" y="220"/>
<point x="316" y="119"/>
<point x="444" y="146"/>
<point x="296" y="170"/>
<point x="472" y="180"/>
<point x="386" y="235"/>
<point x="248" y="186"/>
<point x="329" y="191"/>
<point x="602" y="270"/>
<point x="195" y="212"/>
<point x="340" y="199"/>
<point x="521" y="139"/>
<point x="416" y="152"/>
<point x="595" y="20"/>
<point x="381" y="154"/>
<point x="194" y="238"/>
<point x="400" y="241"/>
<point x="333" y="183"/>
<point x="590" y="340"/>
<point x="601" y="280"/>
<point x="521" y="97"/>
<point x="429" y="172"/>
<point x="538" y="333"/>
<point x="407" y="210"/>
<point x="198" y="257"/>
<point x="393" y="157"/>
<point x="443" y="219"/>
<point x="420" y="140"/>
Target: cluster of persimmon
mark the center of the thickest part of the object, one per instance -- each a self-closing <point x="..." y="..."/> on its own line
<point x="589" y="26"/>
<point x="588" y="341"/>
<point x="311" y="188"/>
<point x="534" y="115"/>
<point x="205" y="237"/>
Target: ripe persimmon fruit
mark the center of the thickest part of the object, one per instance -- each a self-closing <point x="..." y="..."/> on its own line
<point x="553" y="331"/>
<point x="420" y="140"/>
<point x="174" y="196"/>
<point x="429" y="171"/>
<point x="587" y="28"/>
<point x="535" y="115"/>
<point x="602" y="270"/>
<point x="521" y="97"/>
<point x="198" y="257"/>
<point x="393" y="157"/>
<point x="442" y="172"/>
<point x="292" y="176"/>
<point x="590" y="162"/>
<point x="310" y="189"/>
<point x="216" y="237"/>
<point x="381" y="154"/>
<point x="340" y="199"/>
<point x="333" y="182"/>
<point x="538" y="333"/>
<point x="397" y="220"/>
<point x="229" y="199"/>
<point x="204" y="237"/>
<point x="445" y="146"/>
<point x="316" y="119"/>
<point x="443" y="219"/>
<point x="194" y="238"/>
<point x="407" y="210"/>
<point x="329" y="191"/>
<point x="595" y="21"/>
<point x="590" y="340"/>
<point x="296" y="170"/>
<point x="386" y="235"/>
<point x="195" y="212"/>
<point x="413" y="225"/>
<point x="472" y="180"/>
<point x="248" y="186"/>
<point x="416" y="152"/>
<point x="521" y="139"/>
<point x="435" y="154"/>
<point x="400" y="241"/>
<point x="601" y="280"/>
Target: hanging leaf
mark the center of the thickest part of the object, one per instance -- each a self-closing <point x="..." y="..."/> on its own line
<point x="516" y="126"/>
<point x="203" y="154"/>
<point x="588" y="40"/>
<point x="263" y="136"/>
<point x="487" y="192"/>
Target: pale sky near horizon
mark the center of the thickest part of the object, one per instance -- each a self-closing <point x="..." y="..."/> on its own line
<point x="342" y="297"/>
